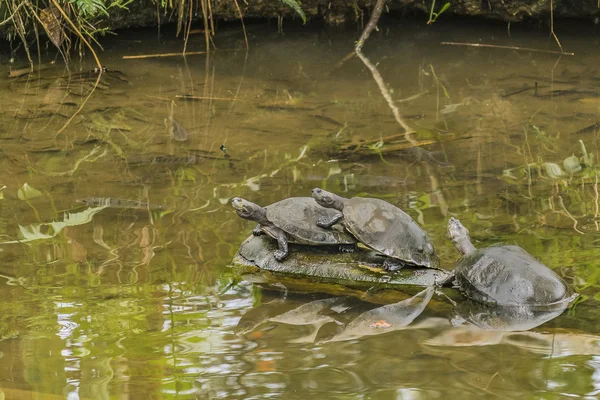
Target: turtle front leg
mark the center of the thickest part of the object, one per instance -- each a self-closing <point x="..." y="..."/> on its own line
<point x="325" y="223"/>
<point x="283" y="246"/>
<point x="392" y="265"/>
<point x="445" y="278"/>
<point x="257" y="231"/>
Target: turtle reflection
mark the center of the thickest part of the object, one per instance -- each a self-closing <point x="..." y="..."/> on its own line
<point x="517" y="318"/>
<point x="344" y="311"/>
<point x="510" y="326"/>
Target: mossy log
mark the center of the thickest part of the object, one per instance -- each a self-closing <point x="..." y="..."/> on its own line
<point x="309" y="267"/>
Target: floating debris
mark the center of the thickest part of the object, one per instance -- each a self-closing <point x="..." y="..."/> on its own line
<point x="176" y="130"/>
<point x="224" y="150"/>
<point x="112" y="202"/>
<point x="27" y="192"/>
<point x="190" y="159"/>
<point x="572" y="164"/>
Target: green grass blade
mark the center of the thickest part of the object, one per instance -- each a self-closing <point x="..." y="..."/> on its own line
<point x="294" y="5"/>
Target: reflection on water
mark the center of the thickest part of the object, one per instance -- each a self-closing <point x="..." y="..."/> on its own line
<point x="117" y="284"/>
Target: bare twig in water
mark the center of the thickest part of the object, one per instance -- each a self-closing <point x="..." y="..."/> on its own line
<point x="596" y="203"/>
<point x="384" y="91"/>
<point x="343" y="60"/>
<point x="204" y="5"/>
<point x="552" y="26"/>
<point x="188" y="28"/>
<point x="376" y="75"/>
<point x="242" y="20"/>
<point x="10" y="18"/>
<point x="413" y="97"/>
<point x="89" y="46"/>
<point x="568" y="214"/>
<point x="372" y="24"/>
<point x="189" y="53"/>
<point x="507" y="47"/>
<point x="237" y="91"/>
<point x="188" y="97"/>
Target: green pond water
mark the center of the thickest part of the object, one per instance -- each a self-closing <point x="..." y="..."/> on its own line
<point x="109" y="302"/>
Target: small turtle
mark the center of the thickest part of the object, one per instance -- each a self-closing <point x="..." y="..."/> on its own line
<point x="504" y="275"/>
<point x="382" y="227"/>
<point x="293" y="220"/>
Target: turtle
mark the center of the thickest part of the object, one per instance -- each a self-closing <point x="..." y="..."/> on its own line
<point x="380" y="226"/>
<point x="505" y="275"/>
<point x="293" y="220"/>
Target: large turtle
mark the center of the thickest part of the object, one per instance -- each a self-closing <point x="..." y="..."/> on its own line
<point x="504" y="275"/>
<point x="380" y="226"/>
<point x="293" y="220"/>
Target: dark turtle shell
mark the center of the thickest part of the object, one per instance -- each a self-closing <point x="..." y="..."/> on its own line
<point x="298" y="216"/>
<point x="389" y="230"/>
<point x="509" y="276"/>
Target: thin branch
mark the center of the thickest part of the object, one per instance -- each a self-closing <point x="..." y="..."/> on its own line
<point x="89" y="46"/>
<point x="242" y="19"/>
<point x="189" y="53"/>
<point x="552" y="26"/>
<point x="10" y="18"/>
<point x="507" y="47"/>
<point x="203" y="3"/>
<point x="371" y="25"/>
<point x="188" y="97"/>
<point x="189" y="27"/>
<point x="384" y="91"/>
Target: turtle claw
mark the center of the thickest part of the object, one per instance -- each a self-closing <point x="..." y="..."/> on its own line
<point x="279" y="255"/>
<point x="257" y="231"/>
<point x="392" y="266"/>
<point x="322" y="223"/>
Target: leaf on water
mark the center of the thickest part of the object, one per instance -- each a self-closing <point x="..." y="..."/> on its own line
<point x="28" y="192"/>
<point x="445" y="92"/>
<point x="553" y="170"/>
<point x="450" y="108"/>
<point x="296" y="7"/>
<point x="33" y="232"/>
<point x="176" y="130"/>
<point x="572" y="164"/>
<point x="1" y="192"/>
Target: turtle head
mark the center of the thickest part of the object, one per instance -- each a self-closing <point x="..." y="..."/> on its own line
<point x="246" y="209"/>
<point x="425" y="254"/>
<point x="460" y="236"/>
<point x="327" y="199"/>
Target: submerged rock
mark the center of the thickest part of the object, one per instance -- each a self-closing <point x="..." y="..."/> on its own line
<point x="323" y="264"/>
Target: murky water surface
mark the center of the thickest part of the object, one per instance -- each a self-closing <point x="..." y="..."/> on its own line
<point x="100" y="300"/>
